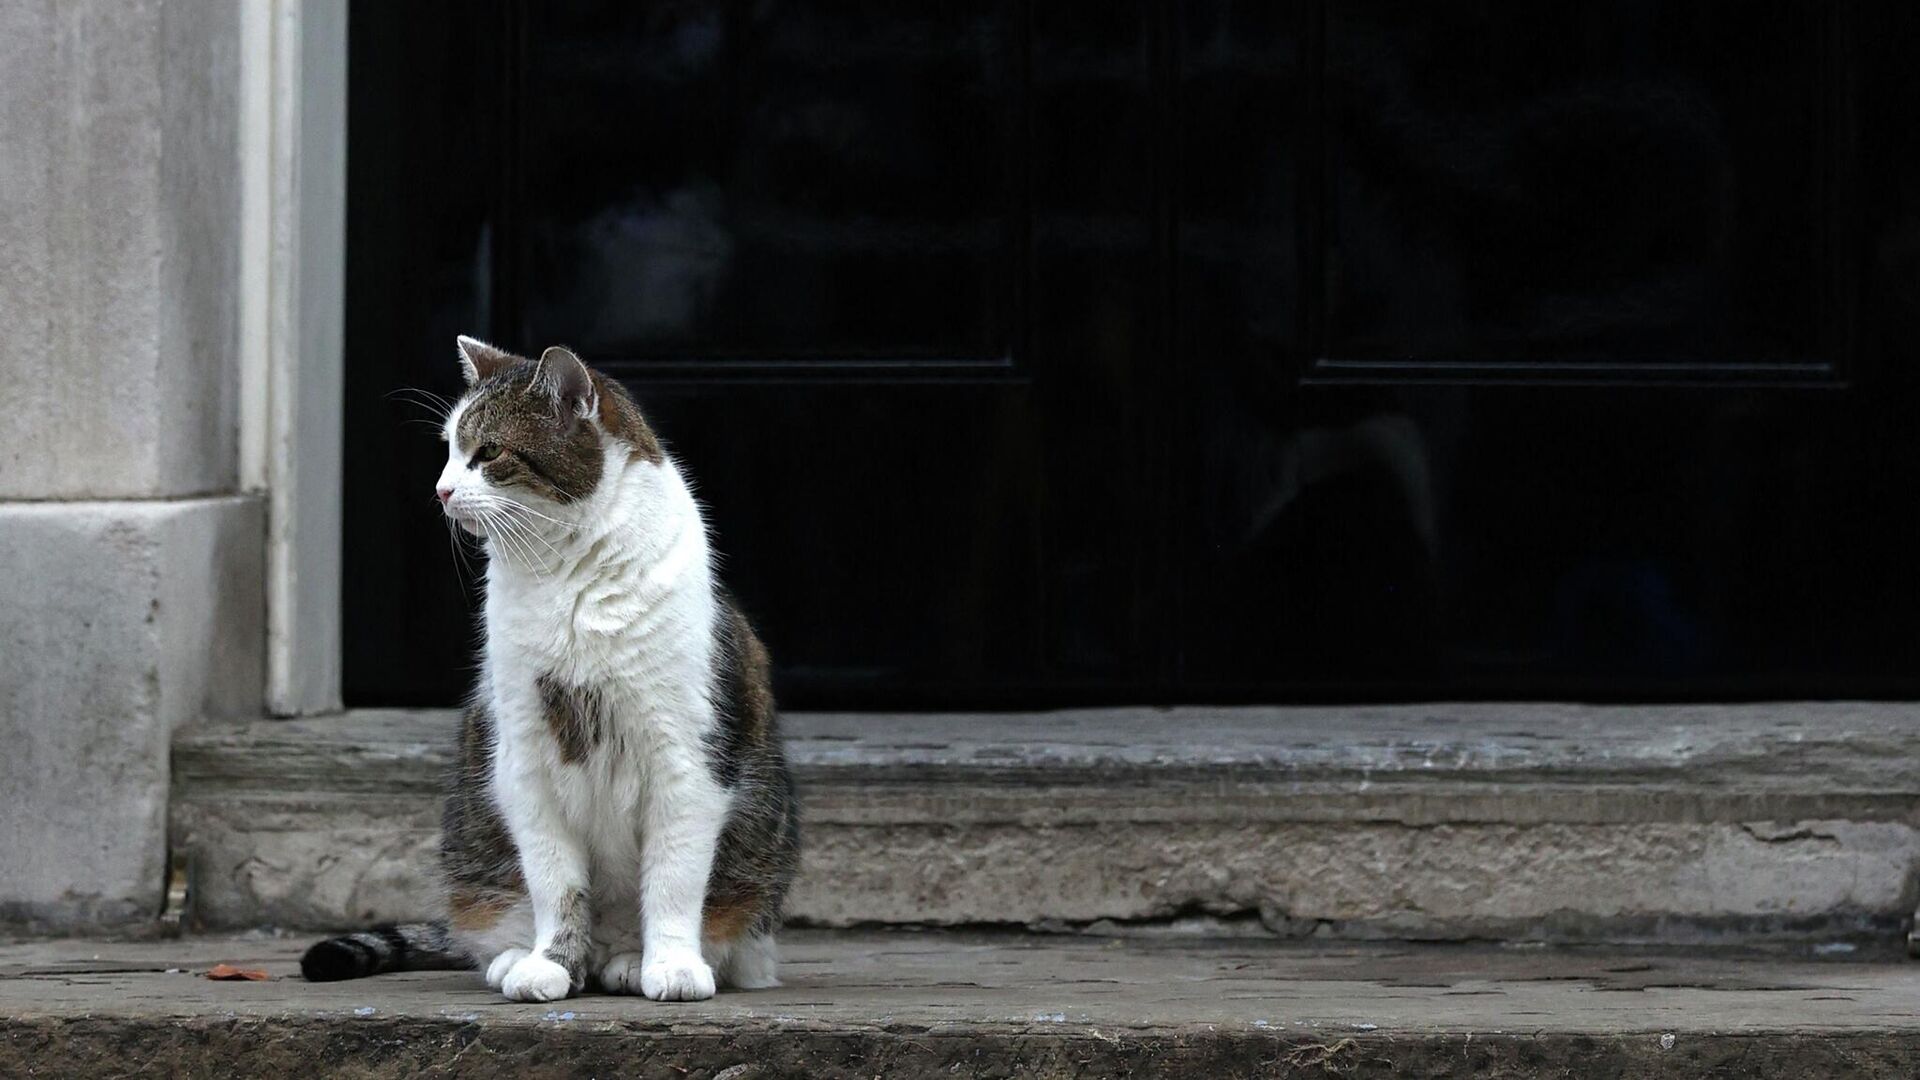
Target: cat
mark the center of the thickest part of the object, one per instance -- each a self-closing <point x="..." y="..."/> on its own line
<point x="621" y="807"/>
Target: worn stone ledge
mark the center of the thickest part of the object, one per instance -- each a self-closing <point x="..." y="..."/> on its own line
<point x="968" y="1005"/>
<point x="1835" y="747"/>
<point x="1547" y="822"/>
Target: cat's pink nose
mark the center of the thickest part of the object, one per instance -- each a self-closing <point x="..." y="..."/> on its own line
<point x="444" y="493"/>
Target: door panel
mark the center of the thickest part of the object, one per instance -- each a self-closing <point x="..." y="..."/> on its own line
<point x="1548" y="350"/>
<point x="773" y="182"/>
<point x="1514" y="188"/>
<point x="886" y="278"/>
<point x="1074" y="353"/>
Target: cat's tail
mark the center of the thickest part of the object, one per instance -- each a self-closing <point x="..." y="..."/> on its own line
<point x="421" y="946"/>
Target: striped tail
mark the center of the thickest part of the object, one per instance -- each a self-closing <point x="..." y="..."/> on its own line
<point x="403" y="947"/>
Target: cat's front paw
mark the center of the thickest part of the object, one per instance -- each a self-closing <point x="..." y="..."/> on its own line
<point x="536" y="978"/>
<point x="621" y="973"/>
<point x="676" y="975"/>
<point x="497" y="971"/>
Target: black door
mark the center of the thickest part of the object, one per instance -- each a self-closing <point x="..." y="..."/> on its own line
<point x="1038" y="354"/>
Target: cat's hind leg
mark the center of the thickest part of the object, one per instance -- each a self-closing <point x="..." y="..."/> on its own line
<point x="749" y="962"/>
<point x="496" y="931"/>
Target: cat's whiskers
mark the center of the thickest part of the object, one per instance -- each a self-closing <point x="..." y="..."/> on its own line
<point x="521" y="537"/>
<point x="433" y="404"/>
<point x="518" y="512"/>
<point x="557" y="547"/>
<point x="525" y="540"/>
<point x="423" y="395"/>
<point x="523" y="508"/>
<point x="495" y="539"/>
<point x="453" y="546"/>
<point x="463" y="550"/>
<point x="509" y="546"/>
<point x="521" y="515"/>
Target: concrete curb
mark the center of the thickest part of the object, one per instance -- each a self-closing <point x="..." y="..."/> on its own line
<point x="105" y="1047"/>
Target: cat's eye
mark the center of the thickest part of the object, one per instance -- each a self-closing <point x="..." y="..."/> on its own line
<point x="487" y="452"/>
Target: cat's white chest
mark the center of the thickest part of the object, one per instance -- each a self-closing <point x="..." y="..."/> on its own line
<point x="607" y="622"/>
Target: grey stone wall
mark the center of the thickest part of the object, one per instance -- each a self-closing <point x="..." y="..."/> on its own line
<point x="131" y="563"/>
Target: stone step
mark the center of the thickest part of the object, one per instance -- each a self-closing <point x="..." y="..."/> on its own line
<point x="1503" y="822"/>
<point x="905" y="1005"/>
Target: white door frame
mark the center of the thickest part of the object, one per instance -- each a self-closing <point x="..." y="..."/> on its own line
<point x="293" y="149"/>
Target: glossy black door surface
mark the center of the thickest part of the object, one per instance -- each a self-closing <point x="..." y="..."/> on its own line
<point x="1036" y="354"/>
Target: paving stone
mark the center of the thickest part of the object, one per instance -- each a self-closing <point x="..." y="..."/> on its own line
<point x="897" y="1004"/>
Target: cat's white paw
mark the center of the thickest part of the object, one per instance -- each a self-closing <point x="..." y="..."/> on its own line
<point x="676" y="975"/>
<point x="621" y="973"/>
<point x="536" y="978"/>
<point x="497" y="971"/>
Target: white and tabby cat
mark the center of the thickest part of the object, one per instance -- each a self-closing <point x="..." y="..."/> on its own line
<point x="621" y="808"/>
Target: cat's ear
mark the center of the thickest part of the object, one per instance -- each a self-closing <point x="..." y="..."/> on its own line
<point x="568" y="380"/>
<point x="479" y="360"/>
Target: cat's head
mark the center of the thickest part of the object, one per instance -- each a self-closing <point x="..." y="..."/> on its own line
<point x="534" y="435"/>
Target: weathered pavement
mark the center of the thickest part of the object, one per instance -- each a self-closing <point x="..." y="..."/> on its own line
<point x="903" y="1004"/>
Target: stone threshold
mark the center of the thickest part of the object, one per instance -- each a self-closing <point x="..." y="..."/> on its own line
<point x="1538" y="822"/>
<point x="899" y="1004"/>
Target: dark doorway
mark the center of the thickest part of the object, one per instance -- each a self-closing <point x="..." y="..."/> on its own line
<point x="1073" y="353"/>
